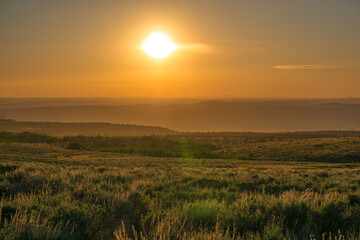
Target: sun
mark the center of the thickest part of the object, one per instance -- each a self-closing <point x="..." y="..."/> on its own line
<point x="158" y="45"/>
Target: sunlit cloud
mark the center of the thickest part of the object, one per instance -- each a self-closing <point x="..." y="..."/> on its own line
<point x="195" y="47"/>
<point x="189" y="47"/>
<point x="304" y="67"/>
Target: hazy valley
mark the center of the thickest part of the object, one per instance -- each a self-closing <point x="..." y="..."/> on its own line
<point x="215" y="115"/>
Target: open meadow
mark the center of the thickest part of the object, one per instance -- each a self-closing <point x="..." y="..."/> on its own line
<point x="49" y="191"/>
<point x="180" y="120"/>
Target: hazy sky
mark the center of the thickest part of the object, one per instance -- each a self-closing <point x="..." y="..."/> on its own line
<point x="253" y="48"/>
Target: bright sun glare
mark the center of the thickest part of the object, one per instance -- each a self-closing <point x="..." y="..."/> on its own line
<point x="158" y="45"/>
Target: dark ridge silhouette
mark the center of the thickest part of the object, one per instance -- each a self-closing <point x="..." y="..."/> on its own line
<point x="85" y="129"/>
<point x="214" y="115"/>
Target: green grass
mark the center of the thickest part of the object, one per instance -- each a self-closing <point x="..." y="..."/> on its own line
<point x="50" y="192"/>
<point x="298" y="146"/>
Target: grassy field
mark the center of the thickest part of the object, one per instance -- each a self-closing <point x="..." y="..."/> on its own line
<point x="297" y="146"/>
<point x="287" y="191"/>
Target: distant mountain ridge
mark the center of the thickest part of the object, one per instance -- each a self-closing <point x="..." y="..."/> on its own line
<point x="81" y="128"/>
<point x="214" y="115"/>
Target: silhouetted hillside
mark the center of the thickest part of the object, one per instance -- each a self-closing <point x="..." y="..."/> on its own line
<point x="86" y="129"/>
<point x="244" y="115"/>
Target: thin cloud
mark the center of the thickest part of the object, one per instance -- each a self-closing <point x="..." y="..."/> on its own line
<point x="195" y="47"/>
<point x="304" y="67"/>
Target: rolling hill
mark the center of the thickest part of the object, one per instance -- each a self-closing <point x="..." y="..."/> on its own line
<point x="86" y="129"/>
<point x="216" y="115"/>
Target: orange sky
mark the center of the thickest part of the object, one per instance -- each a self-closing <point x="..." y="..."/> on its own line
<point x="239" y="49"/>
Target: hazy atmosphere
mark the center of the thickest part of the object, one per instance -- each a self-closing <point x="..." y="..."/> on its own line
<point x="281" y="48"/>
<point x="180" y="120"/>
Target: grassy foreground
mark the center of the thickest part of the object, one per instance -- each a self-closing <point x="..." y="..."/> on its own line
<point x="48" y="192"/>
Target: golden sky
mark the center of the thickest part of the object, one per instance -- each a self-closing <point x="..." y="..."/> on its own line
<point x="257" y="48"/>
